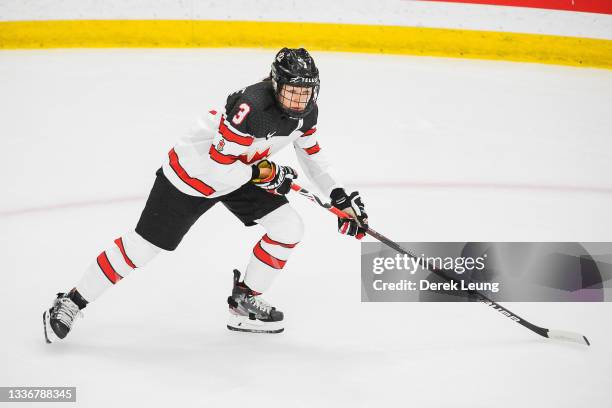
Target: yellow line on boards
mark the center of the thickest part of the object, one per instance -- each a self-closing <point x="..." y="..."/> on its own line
<point x="440" y="42"/>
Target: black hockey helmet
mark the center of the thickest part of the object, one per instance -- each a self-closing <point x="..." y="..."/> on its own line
<point x="295" y="67"/>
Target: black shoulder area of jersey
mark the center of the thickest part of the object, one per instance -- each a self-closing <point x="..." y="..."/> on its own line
<point x="261" y="117"/>
<point x="258" y="98"/>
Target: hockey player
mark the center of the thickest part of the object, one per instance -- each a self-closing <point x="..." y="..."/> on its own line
<point x="225" y="159"/>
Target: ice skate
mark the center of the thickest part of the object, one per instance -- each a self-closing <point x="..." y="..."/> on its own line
<point x="58" y="320"/>
<point x="250" y="313"/>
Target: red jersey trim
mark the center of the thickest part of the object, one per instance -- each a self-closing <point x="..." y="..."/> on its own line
<point x="107" y="269"/>
<point x="231" y="136"/>
<point x="266" y="258"/>
<point x="220" y="157"/>
<point x="314" y="149"/>
<point x="192" y="182"/>
<point x="309" y="132"/>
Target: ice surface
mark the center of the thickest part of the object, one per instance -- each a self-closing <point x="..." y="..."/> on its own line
<point x="441" y="149"/>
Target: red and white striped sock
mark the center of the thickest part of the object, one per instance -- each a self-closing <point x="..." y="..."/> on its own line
<point x="269" y="257"/>
<point x="128" y="252"/>
<point x="284" y="229"/>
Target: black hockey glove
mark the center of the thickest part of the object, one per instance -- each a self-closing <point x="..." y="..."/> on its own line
<point x="278" y="182"/>
<point x="353" y="206"/>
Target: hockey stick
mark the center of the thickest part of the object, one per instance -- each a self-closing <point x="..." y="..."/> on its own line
<point x="551" y="334"/>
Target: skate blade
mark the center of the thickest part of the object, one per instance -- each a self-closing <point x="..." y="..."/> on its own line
<point x="50" y="336"/>
<point x="244" y="324"/>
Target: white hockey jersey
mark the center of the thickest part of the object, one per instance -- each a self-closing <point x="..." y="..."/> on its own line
<point x="216" y="158"/>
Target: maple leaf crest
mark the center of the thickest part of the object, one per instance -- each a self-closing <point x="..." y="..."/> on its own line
<point x="256" y="156"/>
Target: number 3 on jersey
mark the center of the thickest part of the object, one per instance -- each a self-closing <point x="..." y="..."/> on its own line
<point x="239" y="117"/>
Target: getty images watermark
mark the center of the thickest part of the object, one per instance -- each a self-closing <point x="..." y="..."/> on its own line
<point x="403" y="262"/>
<point x="515" y="271"/>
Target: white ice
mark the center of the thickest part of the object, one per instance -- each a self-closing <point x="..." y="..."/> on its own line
<point x="441" y="150"/>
